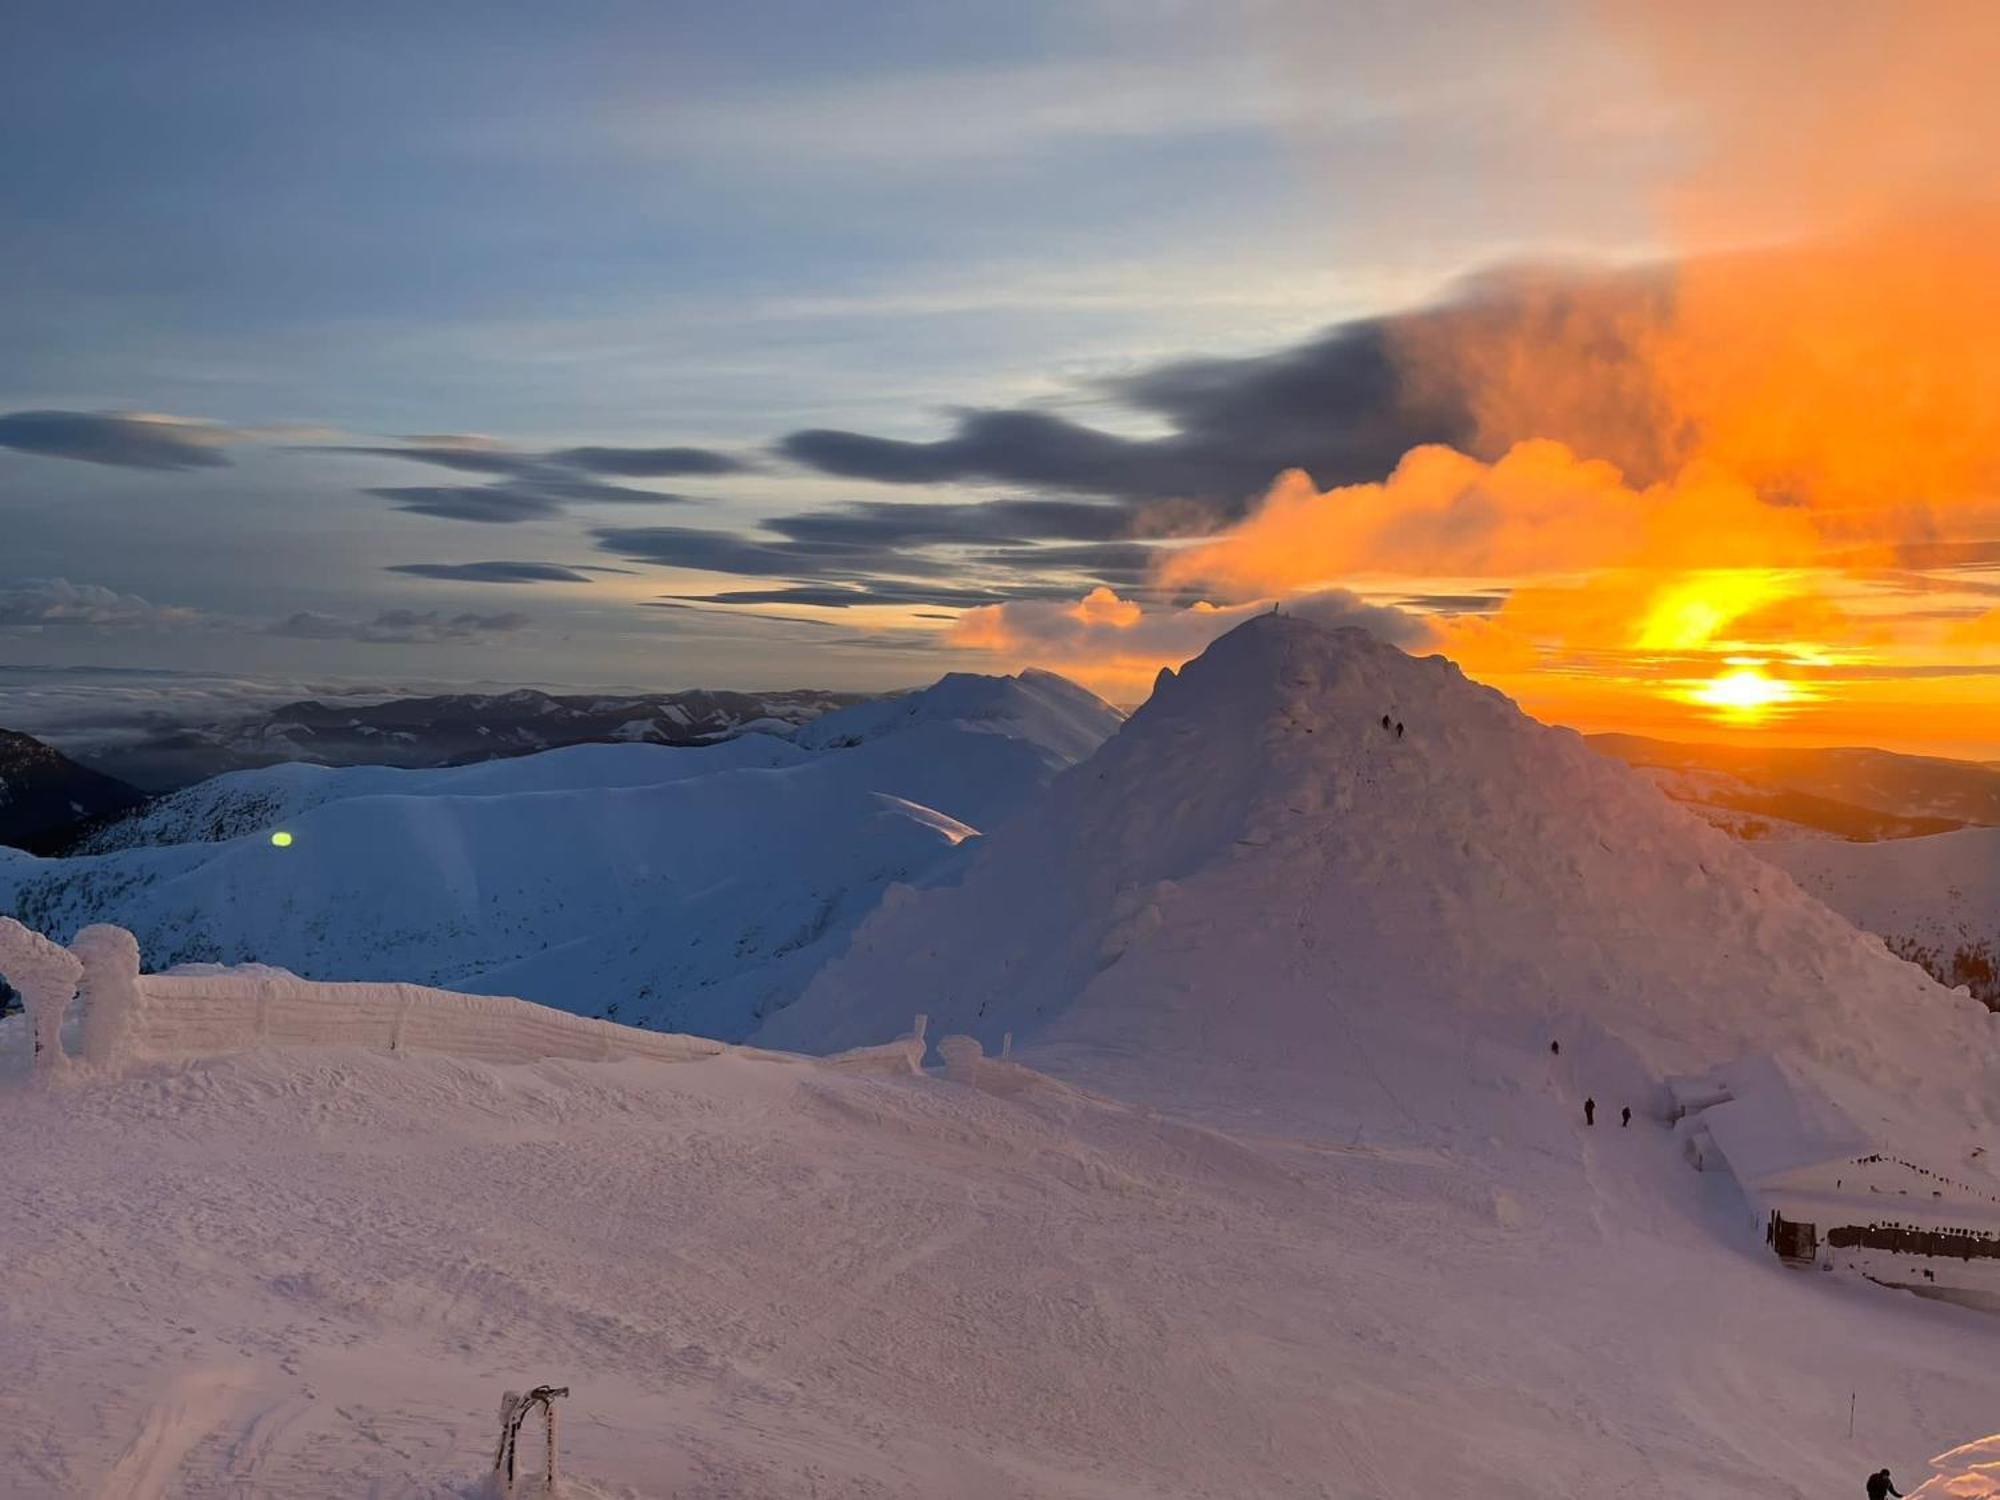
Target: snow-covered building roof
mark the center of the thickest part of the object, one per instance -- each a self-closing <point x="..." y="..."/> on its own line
<point x="1782" y="1115"/>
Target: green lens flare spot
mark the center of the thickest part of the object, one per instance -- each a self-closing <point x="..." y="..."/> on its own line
<point x="281" y="839"/>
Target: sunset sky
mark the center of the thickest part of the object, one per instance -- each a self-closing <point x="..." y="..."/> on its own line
<point x="1643" y="358"/>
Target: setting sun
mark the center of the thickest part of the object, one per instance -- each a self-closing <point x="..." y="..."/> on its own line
<point x="1745" y="694"/>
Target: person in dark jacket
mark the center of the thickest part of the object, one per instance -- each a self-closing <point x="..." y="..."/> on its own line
<point x="1385" y="721"/>
<point x="1881" y="1487"/>
<point x="1555" y="1049"/>
<point x="1625" y="1117"/>
<point x="1590" y="1111"/>
<point x="1399" y="729"/>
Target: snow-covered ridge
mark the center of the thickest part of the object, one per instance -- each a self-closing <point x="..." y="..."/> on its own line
<point x="692" y="888"/>
<point x="1042" y="708"/>
<point x="238" y="803"/>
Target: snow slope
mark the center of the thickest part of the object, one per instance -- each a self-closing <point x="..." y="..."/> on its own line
<point x="1256" y="891"/>
<point x="1936" y="899"/>
<point x="1311" y="1212"/>
<point x="1067" y="721"/>
<point x="321" y="1268"/>
<point x="246" y="802"/>
<point x="690" y="888"/>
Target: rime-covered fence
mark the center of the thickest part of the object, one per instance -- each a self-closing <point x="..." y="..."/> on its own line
<point x="128" y="1016"/>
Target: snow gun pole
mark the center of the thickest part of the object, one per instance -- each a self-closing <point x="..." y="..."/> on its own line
<point x="514" y="1409"/>
<point x="1850" y="1415"/>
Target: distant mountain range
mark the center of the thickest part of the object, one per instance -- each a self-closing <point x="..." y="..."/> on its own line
<point x="46" y="798"/>
<point x="1757" y="792"/>
<point x="452" y="729"/>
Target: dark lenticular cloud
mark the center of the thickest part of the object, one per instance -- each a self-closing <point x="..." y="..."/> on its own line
<point x="1344" y="405"/>
<point x="1336" y="406"/>
<point x="994" y="522"/>
<point x="647" y="463"/>
<point x="532" y="486"/>
<point x="494" y="572"/>
<point x="1116" y="563"/>
<point x="123" y="440"/>
<point x="882" y="591"/>
<point x="504" y="501"/>
<point x="397" y="627"/>
<point x="498" y="504"/>
<point x="729" y="552"/>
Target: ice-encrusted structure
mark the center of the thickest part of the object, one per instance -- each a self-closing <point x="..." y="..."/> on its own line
<point x="46" y="975"/>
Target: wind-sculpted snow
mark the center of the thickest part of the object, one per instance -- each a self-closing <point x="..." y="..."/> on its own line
<point x="45" y="976"/>
<point x="1256" y="877"/>
<point x="692" y="889"/>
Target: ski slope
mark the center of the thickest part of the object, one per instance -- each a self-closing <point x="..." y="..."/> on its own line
<point x="311" y="1273"/>
<point x="694" y="889"/>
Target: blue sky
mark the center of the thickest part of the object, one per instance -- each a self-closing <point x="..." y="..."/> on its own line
<point x="313" y="236"/>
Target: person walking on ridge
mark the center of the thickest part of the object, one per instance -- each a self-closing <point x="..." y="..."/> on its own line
<point x="1590" y="1111"/>
<point x="1625" y="1118"/>
<point x="1881" y="1486"/>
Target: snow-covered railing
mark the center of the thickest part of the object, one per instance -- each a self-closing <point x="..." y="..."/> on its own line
<point x="129" y="1016"/>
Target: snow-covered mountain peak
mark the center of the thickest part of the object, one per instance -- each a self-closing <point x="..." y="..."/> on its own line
<point x="1064" y="720"/>
<point x="1256" y="872"/>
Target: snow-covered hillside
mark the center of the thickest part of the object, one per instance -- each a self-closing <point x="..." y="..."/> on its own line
<point x="1256" y="877"/>
<point x="694" y="888"/>
<point x="1288" y="1193"/>
<point x="247" y="802"/>
<point x="1067" y="721"/>
<point x="1936" y="900"/>
<point x="311" y="1273"/>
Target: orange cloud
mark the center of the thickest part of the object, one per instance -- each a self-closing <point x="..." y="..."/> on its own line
<point x="1539" y="511"/>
